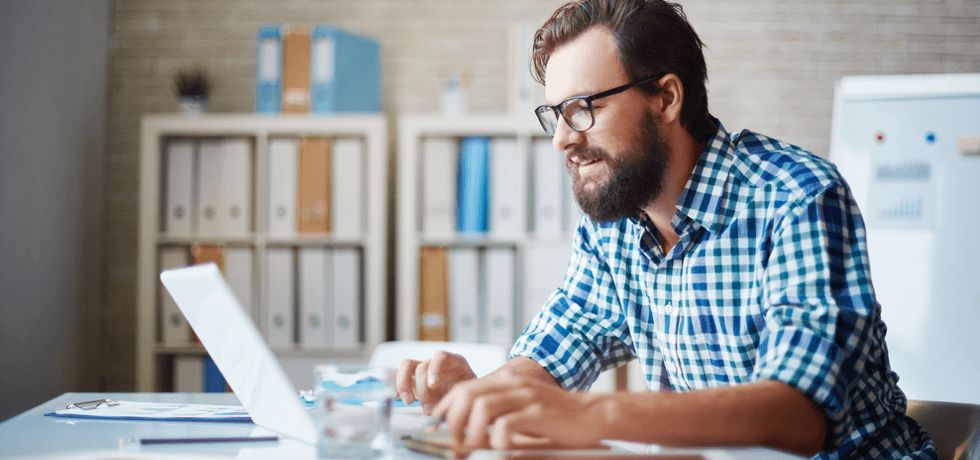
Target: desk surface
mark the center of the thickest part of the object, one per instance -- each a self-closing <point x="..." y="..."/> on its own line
<point x="31" y="434"/>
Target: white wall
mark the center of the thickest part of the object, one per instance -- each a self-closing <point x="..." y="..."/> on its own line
<point x="53" y="60"/>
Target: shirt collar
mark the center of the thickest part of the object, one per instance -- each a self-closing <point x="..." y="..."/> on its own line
<point x="705" y="197"/>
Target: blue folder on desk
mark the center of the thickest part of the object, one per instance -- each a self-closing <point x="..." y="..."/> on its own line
<point x="169" y="412"/>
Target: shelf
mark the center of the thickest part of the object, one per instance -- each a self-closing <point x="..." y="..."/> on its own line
<point x="204" y="239"/>
<point x="469" y="241"/>
<point x="538" y="260"/>
<point x="252" y="124"/>
<point x="297" y="240"/>
<point x="157" y="133"/>
<point x="475" y="124"/>
<point x="319" y="352"/>
<point x="315" y="240"/>
<point x="189" y="349"/>
<point x="491" y="240"/>
<point x="358" y="351"/>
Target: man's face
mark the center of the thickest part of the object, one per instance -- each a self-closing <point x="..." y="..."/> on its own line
<point x="618" y="165"/>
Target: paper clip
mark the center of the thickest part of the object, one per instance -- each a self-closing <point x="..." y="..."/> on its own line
<point x="89" y="405"/>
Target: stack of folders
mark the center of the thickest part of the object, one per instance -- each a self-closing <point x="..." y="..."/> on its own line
<point x="480" y="185"/>
<point x="316" y="185"/>
<point x="470" y="293"/>
<point x="194" y="373"/>
<point x="235" y="263"/>
<point x="320" y="70"/>
<point x="197" y="374"/>
<point x="317" y="293"/>
<point x="208" y="187"/>
<point x="313" y="296"/>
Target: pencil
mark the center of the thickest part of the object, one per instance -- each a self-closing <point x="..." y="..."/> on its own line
<point x="207" y="440"/>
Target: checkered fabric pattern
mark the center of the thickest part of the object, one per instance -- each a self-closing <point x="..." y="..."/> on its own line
<point x="769" y="281"/>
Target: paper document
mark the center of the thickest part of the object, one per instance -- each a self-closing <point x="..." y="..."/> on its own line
<point x="132" y="410"/>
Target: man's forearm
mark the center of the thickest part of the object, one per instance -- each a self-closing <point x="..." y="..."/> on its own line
<point x="524" y="367"/>
<point x="767" y="413"/>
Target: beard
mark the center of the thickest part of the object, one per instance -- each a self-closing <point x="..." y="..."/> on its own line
<point x="635" y="176"/>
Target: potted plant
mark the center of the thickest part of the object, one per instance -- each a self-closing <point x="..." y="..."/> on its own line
<point x="192" y="88"/>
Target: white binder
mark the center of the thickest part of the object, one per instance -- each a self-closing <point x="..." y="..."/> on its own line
<point x="548" y="169"/>
<point x="543" y="270"/>
<point x="238" y="272"/>
<point x="439" y="159"/>
<point x="314" y="297"/>
<point x="188" y="374"/>
<point x="464" y="295"/>
<point x="508" y="192"/>
<point x="180" y="188"/>
<point x="524" y="93"/>
<point x="283" y="169"/>
<point x="347" y="297"/>
<point x="209" y="180"/>
<point x="175" y="330"/>
<point x="279" y="297"/>
<point x="348" y="195"/>
<point x="498" y="275"/>
<point x="573" y="212"/>
<point x="236" y="186"/>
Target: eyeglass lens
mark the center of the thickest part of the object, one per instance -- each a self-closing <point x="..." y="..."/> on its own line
<point x="576" y="112"/>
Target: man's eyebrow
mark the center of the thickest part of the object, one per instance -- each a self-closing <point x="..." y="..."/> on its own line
<point x="573" y="94"/>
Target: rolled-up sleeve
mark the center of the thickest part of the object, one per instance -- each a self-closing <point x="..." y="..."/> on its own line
<point x="819" y="305"/>
<point x="580" y="330"/>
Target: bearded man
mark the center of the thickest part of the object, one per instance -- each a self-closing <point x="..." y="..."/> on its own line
<point x="732" y="266"/>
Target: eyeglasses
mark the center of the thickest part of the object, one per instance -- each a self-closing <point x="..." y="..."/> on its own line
<point x="577" y="110"/>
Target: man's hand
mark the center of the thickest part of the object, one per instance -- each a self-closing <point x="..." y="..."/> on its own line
<point x="489" y="411"/>
<point x="428" y="381"/>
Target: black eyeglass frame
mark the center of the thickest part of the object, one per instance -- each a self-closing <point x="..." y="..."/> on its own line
<point x="558" y="110"/>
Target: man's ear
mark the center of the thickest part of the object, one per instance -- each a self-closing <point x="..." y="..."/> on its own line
<point x="670" y="99"/>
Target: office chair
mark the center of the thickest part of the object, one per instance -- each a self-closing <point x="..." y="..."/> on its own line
<point x="954" y="427"/>
<point x="484" y="358"/>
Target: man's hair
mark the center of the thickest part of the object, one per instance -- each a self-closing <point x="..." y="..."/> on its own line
<point x="653" y="38"/>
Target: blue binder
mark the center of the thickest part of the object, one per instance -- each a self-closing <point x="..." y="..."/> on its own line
<point x="474" y="177"/>
<point x="214" y="382"/>
<point x="268" y="75"/>
<point x="345" y="72"/>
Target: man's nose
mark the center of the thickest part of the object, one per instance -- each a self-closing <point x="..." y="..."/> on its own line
<point x="565" y="137"/>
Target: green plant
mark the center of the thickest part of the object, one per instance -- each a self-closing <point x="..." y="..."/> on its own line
<point x="192" y="83"/>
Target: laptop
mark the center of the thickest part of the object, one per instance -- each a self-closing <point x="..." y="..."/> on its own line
<point x="238" y="349"/>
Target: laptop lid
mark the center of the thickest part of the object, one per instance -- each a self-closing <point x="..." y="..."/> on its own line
<point x="235" y="345"/>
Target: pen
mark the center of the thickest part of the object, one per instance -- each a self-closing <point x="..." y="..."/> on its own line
<point x="207" y="440"/>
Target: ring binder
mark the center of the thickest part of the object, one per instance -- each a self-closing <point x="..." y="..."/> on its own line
<point x="89" y="405"/>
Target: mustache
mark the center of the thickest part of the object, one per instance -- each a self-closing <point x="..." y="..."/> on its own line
<point x="586" y="154"/>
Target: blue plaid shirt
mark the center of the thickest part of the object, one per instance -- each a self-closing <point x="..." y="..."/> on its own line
<point x="769" y="281"/>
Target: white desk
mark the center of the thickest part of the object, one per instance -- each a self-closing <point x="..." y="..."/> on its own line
<point x="32" y="435"/>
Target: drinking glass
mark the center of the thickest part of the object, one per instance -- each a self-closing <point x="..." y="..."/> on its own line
<point x="353" y="411"/>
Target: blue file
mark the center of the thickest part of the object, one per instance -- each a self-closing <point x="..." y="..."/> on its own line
<point x="214" y="382"/>
<point x="473" y="194"/>
<point x="268" y="76"/>
<point x="345" y="72"/>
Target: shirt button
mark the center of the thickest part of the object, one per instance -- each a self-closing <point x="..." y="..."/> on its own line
<point x="668" y="309"/>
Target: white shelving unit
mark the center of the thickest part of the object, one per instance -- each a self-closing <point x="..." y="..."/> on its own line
<point x="412" y="129"/>
<point x="151" y="354"/>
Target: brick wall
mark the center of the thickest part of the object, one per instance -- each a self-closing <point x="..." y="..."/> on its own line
<point x="772" y="65"/>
